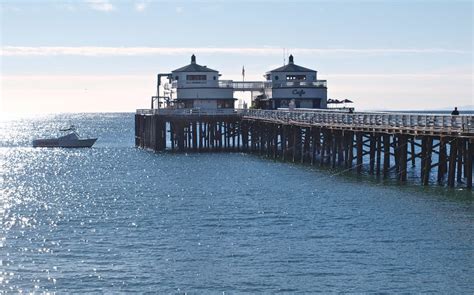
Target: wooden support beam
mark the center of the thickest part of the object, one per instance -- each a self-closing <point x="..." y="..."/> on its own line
<point x="323" y="147"/>
<point x="465" y="156"/>
<point x="340" y="147"/>
<point x="351" y="149"/>
<point x="345" y="136"/>
<point x="200" y="135"/>
<point x="172" y="136"/>
<point x="459" y="160"/>
<point x="238" y="128"/>
<point x="453" y="149"/>
<point x="403" y="153"/>
<point x="372" y="151"/>
<point x="334" y="143"/>
<point x="306" y="146"/>
<point x="275" y="141"/>
<point x="423" y="158"/>
<point x="412" y="151"/>
<point x="329" y="146"/>
<point x="181" y="138"/>
<point x="469" y="160"/>
<point x="359" y="148"/>
<point x="313" y="144"/>
<point x="293" y="143"/>
<point x="379" y="154"/>
<point x="442" y="160"/>
<point x="396" y="152"/>
<point x="427" y="162"/>
<point x="194" y="136"/>
<point x="137" y="128"/>
<point x="386" y="155"/>
<point x="318" y="140"/>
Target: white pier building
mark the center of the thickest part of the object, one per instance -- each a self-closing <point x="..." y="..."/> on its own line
<point x="294" y="82"/>
<point x="198" y="87"/>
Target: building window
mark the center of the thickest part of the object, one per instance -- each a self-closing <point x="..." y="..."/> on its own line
<point x="225" y="104"/>
<point x="196" y="77"/>
<point x="317" y="103"/>
<point x="188" y="104"/>
<point x="214" y="77"/>
<point x="276" y="77"/>
<point x="295" y="77"/>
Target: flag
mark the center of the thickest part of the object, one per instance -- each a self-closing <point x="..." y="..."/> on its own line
<point x="243" y="71"/>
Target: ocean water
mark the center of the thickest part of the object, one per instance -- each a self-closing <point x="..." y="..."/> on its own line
<point x="114" y="218"/>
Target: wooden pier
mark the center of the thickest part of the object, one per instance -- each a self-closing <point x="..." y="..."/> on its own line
<point x="390" y="145"/>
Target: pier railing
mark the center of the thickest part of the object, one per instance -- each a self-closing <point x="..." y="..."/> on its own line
<point x="259" y="85"/>
<point x="185" y="112"/>
<point x="402" y="121"/>
<point x="317" y="84"/>
<point x="376" y="120"/>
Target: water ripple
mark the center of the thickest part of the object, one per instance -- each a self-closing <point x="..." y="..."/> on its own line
<point x="117" y="219"/>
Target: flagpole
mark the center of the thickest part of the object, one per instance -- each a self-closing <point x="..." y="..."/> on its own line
<point x="243" y="80"/>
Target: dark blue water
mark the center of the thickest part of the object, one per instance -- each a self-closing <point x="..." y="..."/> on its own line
<point x="119" y="219"/>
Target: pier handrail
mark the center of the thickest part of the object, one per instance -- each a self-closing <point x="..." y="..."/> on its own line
<point x="185" y="112"/>
<point x="337" y="118"/>
<point x="317" y="83"/>
<point x="407" y="121"/>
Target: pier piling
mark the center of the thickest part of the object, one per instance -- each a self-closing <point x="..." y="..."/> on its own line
<point x="320" y="138"/>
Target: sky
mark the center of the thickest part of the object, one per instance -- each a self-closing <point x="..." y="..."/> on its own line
<point x="104" y="55"/>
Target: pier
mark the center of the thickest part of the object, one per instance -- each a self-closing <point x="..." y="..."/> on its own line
<point x="385" y="144"/>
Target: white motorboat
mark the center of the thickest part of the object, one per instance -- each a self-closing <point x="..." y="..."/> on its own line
<point x="70" y="140"/>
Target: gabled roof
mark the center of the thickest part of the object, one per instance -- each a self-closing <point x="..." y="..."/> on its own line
<point x="194" y="67"/>
<point x="291" y="67"/>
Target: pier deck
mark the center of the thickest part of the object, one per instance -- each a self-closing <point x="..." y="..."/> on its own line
<point x="383" y="143"/>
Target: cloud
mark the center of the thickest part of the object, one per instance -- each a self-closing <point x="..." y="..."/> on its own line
<point x="147" y="51"/>
<point x="140" y="6"/>
<point x="401" y="76"/>
<point x="101" y="5"/>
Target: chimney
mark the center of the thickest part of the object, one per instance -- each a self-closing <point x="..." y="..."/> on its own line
<point x="193" y="59"/>
<point x="290" y="60"/>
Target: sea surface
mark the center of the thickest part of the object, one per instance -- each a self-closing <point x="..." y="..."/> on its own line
<point x="115" y="218"/>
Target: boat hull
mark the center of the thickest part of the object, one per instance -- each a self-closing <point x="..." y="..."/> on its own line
<point x="51" y="143"/>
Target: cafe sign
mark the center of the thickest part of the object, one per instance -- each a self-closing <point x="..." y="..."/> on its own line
<point x="299" y="92"/>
